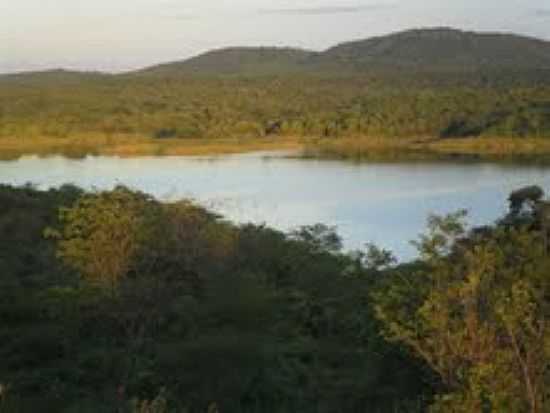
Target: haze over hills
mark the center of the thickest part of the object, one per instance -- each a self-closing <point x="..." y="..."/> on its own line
<point x="443" y="50"/>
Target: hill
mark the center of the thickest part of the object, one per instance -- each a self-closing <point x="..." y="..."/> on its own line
<point x="239" y="60"/>
<point x="432" y="50"/>
<point x="53" y="76"/>
<point x="420" y="83"/>
<point x="442" y="49"/>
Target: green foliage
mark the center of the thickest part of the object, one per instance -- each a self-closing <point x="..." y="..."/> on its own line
<point x="436" y="83"/>
<point x="102" y="233"/>
<point x="224" y="318"/>
<point x="476" y="314"/>
<point x="300" y="105"/>
<point x="158" y="405"/>
<point x="248" y="319"/>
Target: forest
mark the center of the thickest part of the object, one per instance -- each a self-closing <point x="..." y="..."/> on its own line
<point x="431" y="84"/>
<point x="65" y="106"/>
<point x="114" y="302"/>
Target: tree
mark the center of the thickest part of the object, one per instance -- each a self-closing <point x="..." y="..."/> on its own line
<point x="319" y="237"/>
<point x="102" y="233"/>
<point x="530" y="195"/>
<point x="476" y="314"/>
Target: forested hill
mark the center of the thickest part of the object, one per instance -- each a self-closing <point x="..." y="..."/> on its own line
<point x="52" y="78"/>
<point x="432" y="51"/>
<point x="433" y="83"/>
<point x="240" y="60"/>
<point x="428" y="50"/>
<point x="443" y="49"/>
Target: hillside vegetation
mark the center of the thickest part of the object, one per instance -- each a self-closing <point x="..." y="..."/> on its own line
<point x="423" y="50"/>
<point x="434" y="83"/>
<point x="114" y="302"/>
<point x="291" y="106"/>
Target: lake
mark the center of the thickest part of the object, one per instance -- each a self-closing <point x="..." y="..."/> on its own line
<point x="384" y="203"/>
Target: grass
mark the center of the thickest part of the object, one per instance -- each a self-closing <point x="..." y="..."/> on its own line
<point x="388" y="149"/>
<point x="132" y="146"/>
<point x="357" y="149"/>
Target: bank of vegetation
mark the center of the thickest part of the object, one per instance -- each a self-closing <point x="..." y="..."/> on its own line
<point x="494" y="149"/>
<point x="112" y="301"/>
<point x="375" y="96"/>
<point x="136" y="116"/>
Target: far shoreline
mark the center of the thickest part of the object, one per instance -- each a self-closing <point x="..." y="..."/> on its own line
<point x="126" y="146"/>
<point x="357" y="149"/>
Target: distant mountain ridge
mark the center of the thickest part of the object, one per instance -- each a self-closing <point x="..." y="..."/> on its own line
<point x="444" y="48"/>
<point x="434" y="49"/>
<point x="237" y="60"/>
<point x="440" y="49"/>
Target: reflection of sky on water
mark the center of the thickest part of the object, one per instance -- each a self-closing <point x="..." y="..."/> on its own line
<point x="384" y="203"/>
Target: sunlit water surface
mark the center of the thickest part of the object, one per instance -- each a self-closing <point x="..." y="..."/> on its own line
<point x="384" y="203"/>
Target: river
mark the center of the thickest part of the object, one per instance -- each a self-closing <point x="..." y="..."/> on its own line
<point x="384" y="203"/>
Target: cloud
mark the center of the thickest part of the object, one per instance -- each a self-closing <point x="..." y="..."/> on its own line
<point x="314" y="11"/>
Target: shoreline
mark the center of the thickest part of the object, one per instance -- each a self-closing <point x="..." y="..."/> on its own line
<point x="474" y="149"/>
<point x="357" y="149"/>
<point x="127" y="146"/>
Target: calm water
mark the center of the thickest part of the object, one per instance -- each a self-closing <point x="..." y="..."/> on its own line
<point x="383" y="203"/>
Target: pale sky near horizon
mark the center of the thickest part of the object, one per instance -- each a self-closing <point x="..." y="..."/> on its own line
<point x="118" y="35"/>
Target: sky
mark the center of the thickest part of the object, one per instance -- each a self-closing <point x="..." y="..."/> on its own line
<point x="121" y="35"/>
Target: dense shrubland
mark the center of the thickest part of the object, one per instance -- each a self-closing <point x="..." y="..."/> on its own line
<point x="426" y="85"/>
<point x="116" y="297"/>
<point x="112" y="301"/>
<point x="321" y="106"/>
